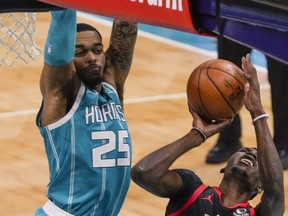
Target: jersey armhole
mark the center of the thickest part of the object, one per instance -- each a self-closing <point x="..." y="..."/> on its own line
<point x="191" y="200"/>
<point x="111" y="87"/>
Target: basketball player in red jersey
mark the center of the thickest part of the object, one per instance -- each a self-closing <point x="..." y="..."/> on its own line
<point x="229" y="140"/>
<point x="248" y="172"/>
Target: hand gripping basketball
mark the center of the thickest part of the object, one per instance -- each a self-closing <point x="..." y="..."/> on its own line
<point x="215" y="90"/>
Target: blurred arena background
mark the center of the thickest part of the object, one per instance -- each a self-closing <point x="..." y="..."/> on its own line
<point x="155" y="106"/>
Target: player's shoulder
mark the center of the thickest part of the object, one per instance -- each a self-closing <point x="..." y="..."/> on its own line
<point x="109" y="88"/>
<point x="186" y="173"/>
<point x="190" y="179"/>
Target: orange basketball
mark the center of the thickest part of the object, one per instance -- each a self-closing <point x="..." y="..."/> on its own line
<point x="215" y="90"/>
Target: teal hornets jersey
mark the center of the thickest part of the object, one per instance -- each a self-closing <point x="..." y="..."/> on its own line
<point x="89" y="154"/>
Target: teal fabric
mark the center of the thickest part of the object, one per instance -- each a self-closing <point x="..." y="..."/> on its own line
<point x="61" y="39"/>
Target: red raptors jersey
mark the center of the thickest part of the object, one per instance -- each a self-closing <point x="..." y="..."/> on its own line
<point x="195" y="199"/>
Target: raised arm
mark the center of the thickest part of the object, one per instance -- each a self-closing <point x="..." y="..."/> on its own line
<point x="120" y="53"/>
<point x="58" y="71"/>
<point x="270" y="168"/>
<point x="152" y="172"/>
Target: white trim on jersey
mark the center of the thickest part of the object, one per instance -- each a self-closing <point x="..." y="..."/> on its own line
<point x="110" y="86"/>
<point x="71" y="111"/>
<point x="52" y="210"/>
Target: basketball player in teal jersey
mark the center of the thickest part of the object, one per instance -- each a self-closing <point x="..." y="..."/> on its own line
<point x="248" y="172"/>
<point x="81" y="119"/>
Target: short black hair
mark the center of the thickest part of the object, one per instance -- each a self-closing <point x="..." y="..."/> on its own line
<point x="86" y="27"/>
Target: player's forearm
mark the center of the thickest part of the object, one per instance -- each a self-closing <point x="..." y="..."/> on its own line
<point x="60" y="42"/>
<point x="269" y="162"/>
<point x="270" y="167"/>
<point x="152" y="172"/>
<point x="122" y="43"/>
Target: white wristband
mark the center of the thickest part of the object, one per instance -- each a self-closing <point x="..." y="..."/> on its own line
<point x="265" y="115"/>
<point x="201" y="133"/>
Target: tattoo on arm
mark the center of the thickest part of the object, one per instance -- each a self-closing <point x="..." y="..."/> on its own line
<point x="122" y="44"/>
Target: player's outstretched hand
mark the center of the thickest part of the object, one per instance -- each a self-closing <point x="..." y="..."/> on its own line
<point x="209" y="128"/>
<point x="252" y="99"/>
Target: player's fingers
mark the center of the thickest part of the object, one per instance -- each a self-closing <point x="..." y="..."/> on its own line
<point x="226" y="123"/>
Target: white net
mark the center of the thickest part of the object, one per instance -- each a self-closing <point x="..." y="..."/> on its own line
<point x="17" y="31"/>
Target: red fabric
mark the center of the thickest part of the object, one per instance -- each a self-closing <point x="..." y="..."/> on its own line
<point x="190" y="201"/>
<point x="173" y="14"/>
<point x="242" y="205"/>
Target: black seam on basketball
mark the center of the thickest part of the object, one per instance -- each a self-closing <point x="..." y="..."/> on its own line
<point x="234" y="111"/>
<point x="238" y="80"/>
<point x="206" y="69"/>
<point x="208" y="114"/>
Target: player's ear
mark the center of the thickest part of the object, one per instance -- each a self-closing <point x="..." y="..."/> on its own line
<point x="222" y="170"/>
<point x="259" y="189"/>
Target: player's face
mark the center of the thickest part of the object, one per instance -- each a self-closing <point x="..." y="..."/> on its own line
<point x="244" y="166"/>
<point x="89" y="57"/>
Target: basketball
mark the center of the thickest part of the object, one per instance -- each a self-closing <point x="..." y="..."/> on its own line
<point x="215" y="90"/>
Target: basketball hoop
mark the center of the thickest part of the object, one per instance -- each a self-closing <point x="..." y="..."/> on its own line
<point x="17" y="32"/>
<point x="17" y="29"/>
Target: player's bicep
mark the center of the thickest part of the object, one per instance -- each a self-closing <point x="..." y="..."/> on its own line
<point x="121" y="49"/>
<point x="122" y="43"/>
<point x="58" y="90"/>
<point x="170" y="184"/>
<point x="53" y="79"/>
<point x="271" y="206"/>
<point x="162" y="185"/>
